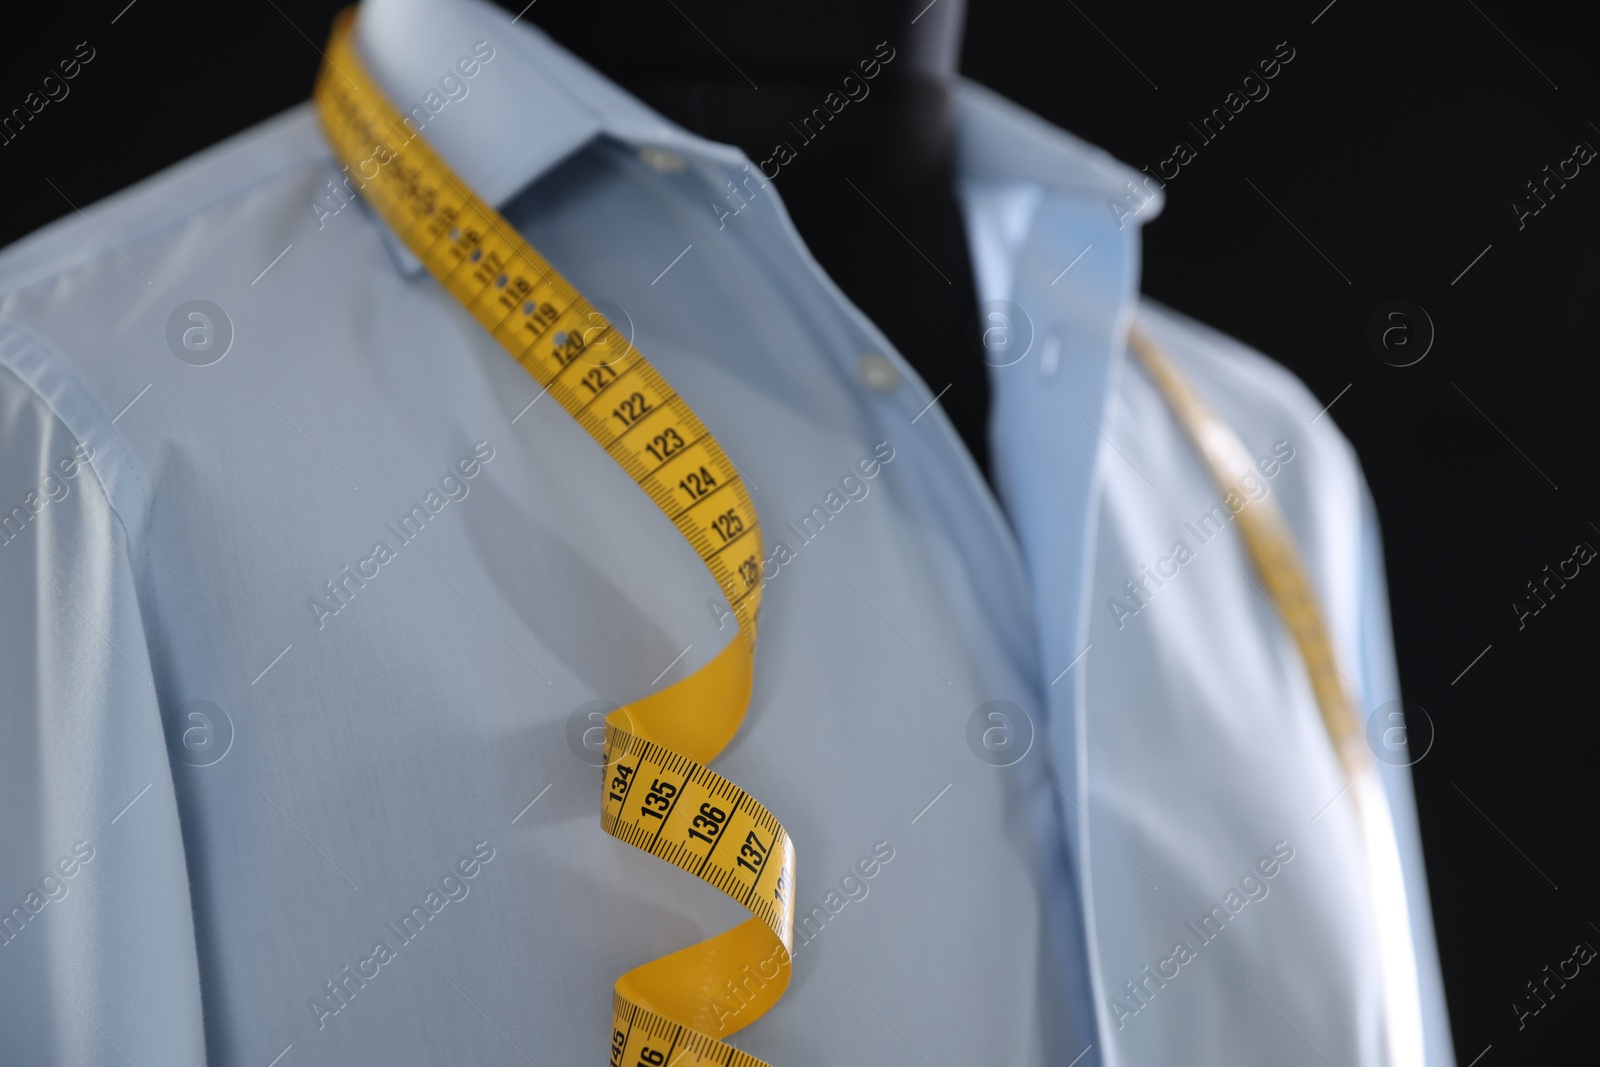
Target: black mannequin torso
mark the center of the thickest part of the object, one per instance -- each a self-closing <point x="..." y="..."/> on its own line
<point x="869" y="181"/>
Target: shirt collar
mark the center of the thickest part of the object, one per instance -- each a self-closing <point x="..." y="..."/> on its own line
<point x="533" y="104"/>
<point x="1001" y="141"/>
<point x="527" y="108"/>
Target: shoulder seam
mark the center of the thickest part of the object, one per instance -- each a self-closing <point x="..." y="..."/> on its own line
<point x="53" y="382"/>
<point x="73" y="240"/>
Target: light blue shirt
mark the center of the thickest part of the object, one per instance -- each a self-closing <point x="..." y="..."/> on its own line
<point x="306" y="594"/>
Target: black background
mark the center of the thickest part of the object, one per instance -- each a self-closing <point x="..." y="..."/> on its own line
<point x="1396" y="142"/>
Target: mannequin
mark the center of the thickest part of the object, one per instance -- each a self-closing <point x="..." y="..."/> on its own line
<point x="751" y="75"/>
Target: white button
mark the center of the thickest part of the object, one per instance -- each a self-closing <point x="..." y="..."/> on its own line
<point x="1050" y="357"/>
<point x="877" y="372"/>
<point x="661" y="159"/>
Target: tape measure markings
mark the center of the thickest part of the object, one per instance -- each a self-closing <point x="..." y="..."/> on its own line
<point x="543" y="322"/>
<point x="703" y="785"/>
<point x="469" y="229"/>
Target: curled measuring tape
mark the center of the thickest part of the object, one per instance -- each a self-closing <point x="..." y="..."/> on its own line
<point x="658" y="793"/>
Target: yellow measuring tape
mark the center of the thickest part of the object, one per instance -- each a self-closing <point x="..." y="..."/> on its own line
<point x="1270" y="545"/>
<point x="658" y="795"/>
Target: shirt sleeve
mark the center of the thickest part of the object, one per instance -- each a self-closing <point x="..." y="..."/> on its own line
<point x="1382" y="680"/>
<point x="97" y="942"/>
